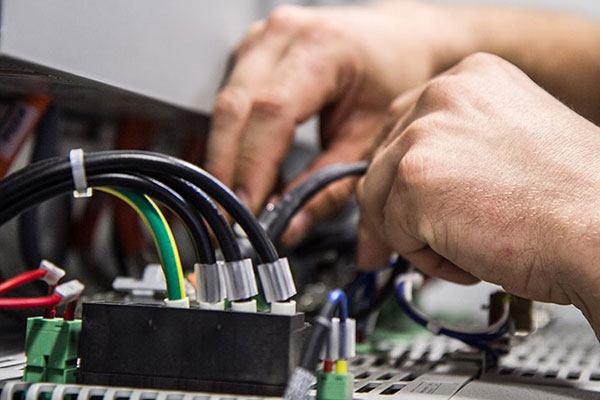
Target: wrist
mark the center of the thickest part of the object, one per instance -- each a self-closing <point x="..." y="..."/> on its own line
<point x="577" y="239"/>
<point x="446" y="32"/>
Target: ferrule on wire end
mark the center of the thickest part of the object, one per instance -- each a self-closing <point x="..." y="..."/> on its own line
<point x="240" y="279"/>
<point x="53" y="273"/>
<point x="210" y="283"/>
<point x="341" y="343"/>
<point x="277" y="281"/>
<point x="69" y="291"/>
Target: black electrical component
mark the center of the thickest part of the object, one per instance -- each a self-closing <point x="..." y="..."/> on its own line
<point x="153" y="346"/>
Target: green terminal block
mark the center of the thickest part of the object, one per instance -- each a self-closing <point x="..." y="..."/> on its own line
<point x="51" y="347"/>
<point x="334" y="386"/>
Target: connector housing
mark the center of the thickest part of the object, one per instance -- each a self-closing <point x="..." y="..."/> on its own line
<point x="189" y="349"/>
<point x="51" y="349"/>
<point x="334" y="386"/>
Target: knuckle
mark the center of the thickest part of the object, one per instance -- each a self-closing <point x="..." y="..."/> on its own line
<point x="283" y="17"/>
<point x="413" y="169"/>
<point x="229" y="102"/>
<point x="272" y="103"/>
<point x="482" y="59"/>
<point x="486" y="63"/>
<point x="443" y="92"/>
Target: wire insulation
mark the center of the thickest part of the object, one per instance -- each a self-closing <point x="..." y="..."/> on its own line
<point x="22" y="279"/>
<point x="163" y="238"/>
<point x="35" y="177"/>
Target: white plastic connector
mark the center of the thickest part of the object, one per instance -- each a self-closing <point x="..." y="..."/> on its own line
<point x="277" y="280"/>
<point x="76" y="157"/>
<point x="283" y="307"/>
<point x="220" y="306"/>
<point x="53" y="273"/>
<point x="180" y="303"/>
<point x="69" y="291"/>
<point x="331" y="351"/>
<point x="244" y="306"/>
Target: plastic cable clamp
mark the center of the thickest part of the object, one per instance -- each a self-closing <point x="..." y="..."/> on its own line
<point x="277" y="281"/>
<point x="210" y="283"/>
<point x="283" y="307"/>
<point x="69" y="291"/>
<point x="178" y="303"/>
<point x="53" y="273"/>
<point x="76" y="157"/>
<point x="240" y="279"/>
<point x="212" y="306"/>
<point x="244" y="306"/>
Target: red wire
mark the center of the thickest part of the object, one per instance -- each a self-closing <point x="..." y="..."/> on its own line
<point x="50" y="312"/>
<point x="19" y="303"/>
<point x="22" y="279"/>
<point x="69" y="313"/>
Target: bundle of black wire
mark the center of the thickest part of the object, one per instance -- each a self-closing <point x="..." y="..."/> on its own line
<point x="180" y="185"/>
<point x="276" y="219"/>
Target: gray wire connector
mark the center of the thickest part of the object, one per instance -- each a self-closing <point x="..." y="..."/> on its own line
<point x="210" y="282"/>
<point x="277" y="281"/>
<point x="76" y="158"/>
<point x="240" y="279"/>
<point x="334" y="350"/>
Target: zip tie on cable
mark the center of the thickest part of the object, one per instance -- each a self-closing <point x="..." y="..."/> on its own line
<point x="277" y="281"/>
<point x="210" y="283"/>
<point x="240" y="279"/>
<point x="76" y="158"/>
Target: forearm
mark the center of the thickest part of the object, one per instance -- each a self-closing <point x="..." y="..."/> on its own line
<point x="560" y="52"/>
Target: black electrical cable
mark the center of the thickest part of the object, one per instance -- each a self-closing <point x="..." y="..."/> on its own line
<point x="153" y="188"/>
<point x="211" y="213"/>
<point x="320" y="329"/>
<point x="30" y="179"/>
<point x="30" y="238"/>
<point x="275" y="219"/>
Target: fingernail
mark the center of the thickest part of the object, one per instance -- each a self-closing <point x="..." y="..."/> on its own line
<point x="298" y="229"/>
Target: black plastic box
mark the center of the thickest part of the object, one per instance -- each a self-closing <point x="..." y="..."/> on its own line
<point x="189" y="349"/>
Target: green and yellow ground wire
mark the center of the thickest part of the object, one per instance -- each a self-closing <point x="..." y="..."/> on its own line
<point x="163" y="238"/>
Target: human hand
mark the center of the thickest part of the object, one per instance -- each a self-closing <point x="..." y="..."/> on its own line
<point x="346" y="63"/>
<point x="487" y="176"/>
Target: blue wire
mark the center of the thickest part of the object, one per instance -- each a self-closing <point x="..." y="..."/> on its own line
<point x="338" y="297"/>
<point x="474" y="340"/>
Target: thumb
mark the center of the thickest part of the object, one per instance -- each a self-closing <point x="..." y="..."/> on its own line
<point x="371" y="252"/>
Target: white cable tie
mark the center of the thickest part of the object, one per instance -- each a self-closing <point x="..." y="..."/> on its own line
<point x="76" y="157"/>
